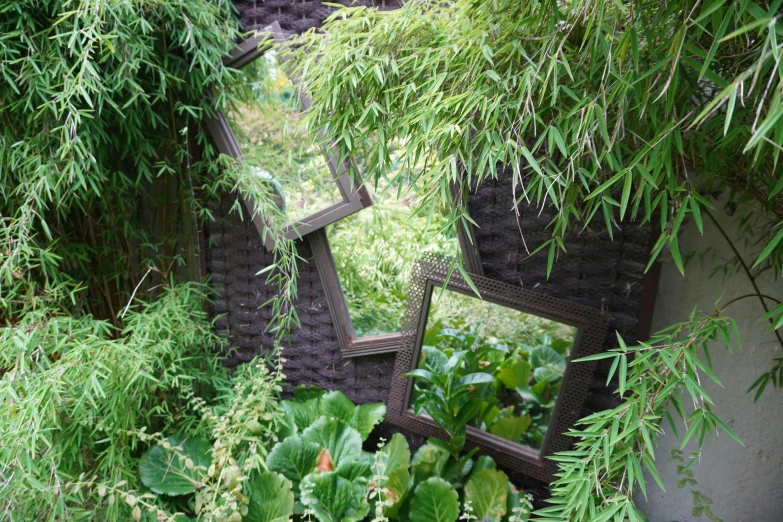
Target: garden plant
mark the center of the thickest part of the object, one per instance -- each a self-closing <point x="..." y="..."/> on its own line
<point x="115" y="403"/>
<point x="506" y="389"/>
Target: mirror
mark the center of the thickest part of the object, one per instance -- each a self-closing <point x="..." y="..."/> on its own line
<point x="523" y="356"/>
<point x="268" y="134"/>
<point x="374" y="252"/>
<point x="273" y="138"/>
<point x="488" y="366"/>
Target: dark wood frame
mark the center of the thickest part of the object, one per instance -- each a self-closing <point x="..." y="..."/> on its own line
<point x="431" y="273"/>
<point x="355" y="195"/>
<point x="350" y="344"/>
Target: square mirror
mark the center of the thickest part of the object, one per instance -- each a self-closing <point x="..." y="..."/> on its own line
<point x="525" y="353"/>
<point x="499" y="361"/>
<point x="365" y="260"/>
<point x="312" y="187"/>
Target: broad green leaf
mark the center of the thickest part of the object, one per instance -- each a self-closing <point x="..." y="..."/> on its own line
<point x="395" y="454"/>
<point x="544" y="356"/>
<point x="294" y="458"/>
<point x="366" y="416"/>
<point x="336" y="404"/>
<point x="517" y="374"/>
<point x="271" y="498"/>
<point x="487" y="492"/>
<point x="511" y="428"/>
<point x="342" y="441"/>
<point x="334" y="498"/>
<point x="423" y="374"/>
<point x="434" y="359"/>
<point x="397" y="487"/>
<point x="434" y="500"/>
<point x="476" y="378"/>
<point x="303" y="413"/>
<point x="355" y="470"/>
<point x="166" y="472"/>
<point x="545" y="374"/>
<point x="482" y="463"/>
<point x="428" y="461"/>
<point x="304" y="393"/>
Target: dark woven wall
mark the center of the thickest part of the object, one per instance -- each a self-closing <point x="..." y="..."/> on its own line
<point x="234" y="255"/>
<point x="597" y="271"/>
<point x="295" y="16"/>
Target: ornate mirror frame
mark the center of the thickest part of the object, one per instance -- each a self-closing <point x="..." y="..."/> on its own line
<point x="355" y="196"/>
<point x="432" y="273"/>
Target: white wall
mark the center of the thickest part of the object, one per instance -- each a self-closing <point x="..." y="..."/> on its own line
<point x="745" y="484"/>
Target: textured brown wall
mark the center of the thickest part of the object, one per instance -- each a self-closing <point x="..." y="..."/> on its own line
<point x="295" y="16"/>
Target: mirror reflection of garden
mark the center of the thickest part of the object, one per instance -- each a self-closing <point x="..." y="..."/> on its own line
<point x="526" y="354"/>
<point x="374" y="252"/>
<point x="273" y="139"/>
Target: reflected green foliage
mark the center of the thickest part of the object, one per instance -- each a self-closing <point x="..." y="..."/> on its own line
<point x="374" y="252"/>
<point x="508" y="389"/>
<point x="273" y="138"/>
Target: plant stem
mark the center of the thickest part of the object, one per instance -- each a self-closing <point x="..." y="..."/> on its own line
<point x="747" y="271"/>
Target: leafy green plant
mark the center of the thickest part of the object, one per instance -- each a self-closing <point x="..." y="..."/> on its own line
<point x="319" y="469"/>
<point x="106" y="174"/>
<point x="374" y="252"/>
<point x="509" y="390"/>
<point x="604" y="111"/>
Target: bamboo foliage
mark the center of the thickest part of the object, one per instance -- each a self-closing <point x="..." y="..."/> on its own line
<point x="105" y="175"/>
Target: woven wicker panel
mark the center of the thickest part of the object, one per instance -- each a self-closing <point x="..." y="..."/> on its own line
<point x="234" y="255"/>
<point x="295" y="16"/>
<point x="596" y="271"/>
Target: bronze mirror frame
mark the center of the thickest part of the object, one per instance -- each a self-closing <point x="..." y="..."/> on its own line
<point x="355" y="196"/>
<point x="352" y="345"/>
<point x="431" y="274"/>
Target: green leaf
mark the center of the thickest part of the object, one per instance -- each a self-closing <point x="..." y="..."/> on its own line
<point x="366" y="416"/>
<point x="511" y="428"/>
<point x="395" y="454"/>
<point x="476" y="378"/>
<point x="482" y="463"/>
<point x="304" y="393"/>
<point x="517" y="374"/>
<point x="334" y="498"/>
<point x="336" y="404"/>
<point x="434" y="359"/>
<point x="428" y="461"/>
<point x="355" y="470"/>
<point x="165" y="472"/>
<point x="769" y="248"/>
<point x="397" y="488"/>
<point x="342" y="441"/>
<point x="303" y="413"/>
<point x="423" y="374"/>
<point x="294" y="458"/>
<point x="271" y="498"/>
<point x="487" y="492"/>
<point x="544" y="356"/>
<point x="434" y="501"/>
